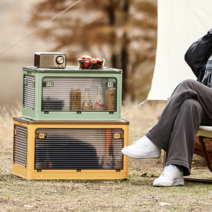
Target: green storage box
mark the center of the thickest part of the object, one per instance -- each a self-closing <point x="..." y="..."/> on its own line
<point x="72" y="94"/>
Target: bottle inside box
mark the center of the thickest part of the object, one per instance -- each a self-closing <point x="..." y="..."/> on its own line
<point x="79" y="94"/>
<point x="79" y="149"/>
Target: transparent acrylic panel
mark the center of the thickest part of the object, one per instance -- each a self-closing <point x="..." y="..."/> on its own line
<point x="79" y="94"/>
<point x="79" y="148"/>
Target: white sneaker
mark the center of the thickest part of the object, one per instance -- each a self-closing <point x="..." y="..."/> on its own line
<point x="142" y="148"/>
<point x="171" y="176"/>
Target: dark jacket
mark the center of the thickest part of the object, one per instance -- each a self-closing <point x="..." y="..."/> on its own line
<point x="198" y="53"/>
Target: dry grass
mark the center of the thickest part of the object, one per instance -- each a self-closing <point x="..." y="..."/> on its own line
<point x="6" y="124"/>
<point x="135" y="194"/>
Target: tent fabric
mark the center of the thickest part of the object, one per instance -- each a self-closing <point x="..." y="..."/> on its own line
<point x="180" y="23"/>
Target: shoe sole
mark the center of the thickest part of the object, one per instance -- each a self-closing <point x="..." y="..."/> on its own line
<point x="150" y="155"/>
<point x="177" y="182"/>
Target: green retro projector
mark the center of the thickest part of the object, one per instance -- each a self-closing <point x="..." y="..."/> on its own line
<point x="72" y="94"/>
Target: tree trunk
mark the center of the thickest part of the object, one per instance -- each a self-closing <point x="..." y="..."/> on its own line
<point x="124" y="52"/>
<point x="114" y="60"/>
<point x="124" y="61"/>
<point x="111" y="16"/>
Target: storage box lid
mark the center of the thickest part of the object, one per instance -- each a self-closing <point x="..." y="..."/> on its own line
<point x="71" y="69"/>
<point x="29" y="121"/>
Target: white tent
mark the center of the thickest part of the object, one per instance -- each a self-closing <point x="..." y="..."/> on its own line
<point x="180" y="23"/>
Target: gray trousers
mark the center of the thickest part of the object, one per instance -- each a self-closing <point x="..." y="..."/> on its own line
<point x="189" y="106"/>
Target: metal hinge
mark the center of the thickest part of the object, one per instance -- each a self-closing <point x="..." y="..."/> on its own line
<point x="48" y="84"/>
<point x="42" y="135"/>
<point x="111" y="84"/>
<point x="116" y="135"/>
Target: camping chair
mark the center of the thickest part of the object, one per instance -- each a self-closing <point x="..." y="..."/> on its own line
<point x="203" y="132"/>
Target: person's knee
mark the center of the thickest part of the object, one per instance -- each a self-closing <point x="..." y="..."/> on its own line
<point x="187" y="82"/>
<point x="186" y="89"/>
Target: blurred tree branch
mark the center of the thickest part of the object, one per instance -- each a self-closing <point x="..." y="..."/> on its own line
<point x="121" y="31"/>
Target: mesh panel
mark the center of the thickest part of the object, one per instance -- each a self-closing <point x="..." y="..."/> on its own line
<point x="79" y="94"/>
<point x="29" y="91"/>
<point x="79" y="149"/>
<point x="20" y="145"/>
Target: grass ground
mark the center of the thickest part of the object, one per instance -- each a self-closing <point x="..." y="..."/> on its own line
<point x="134" y="194"/>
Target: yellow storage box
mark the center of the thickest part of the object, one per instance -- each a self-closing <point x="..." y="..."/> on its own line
<point x="70" y="149"/>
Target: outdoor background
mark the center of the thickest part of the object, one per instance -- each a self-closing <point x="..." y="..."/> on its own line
<point x="124" y="32"/>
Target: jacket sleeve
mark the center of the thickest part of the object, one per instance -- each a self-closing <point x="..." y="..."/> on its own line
<point x="198" y="53"/>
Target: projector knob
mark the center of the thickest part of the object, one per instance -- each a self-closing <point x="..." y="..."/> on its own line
<point x="60" y="60"/>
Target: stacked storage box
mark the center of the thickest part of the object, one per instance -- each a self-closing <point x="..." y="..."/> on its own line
<point x="71" y="125"/>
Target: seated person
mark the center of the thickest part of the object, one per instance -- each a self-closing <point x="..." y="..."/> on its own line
<point x="188" y="107"/>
